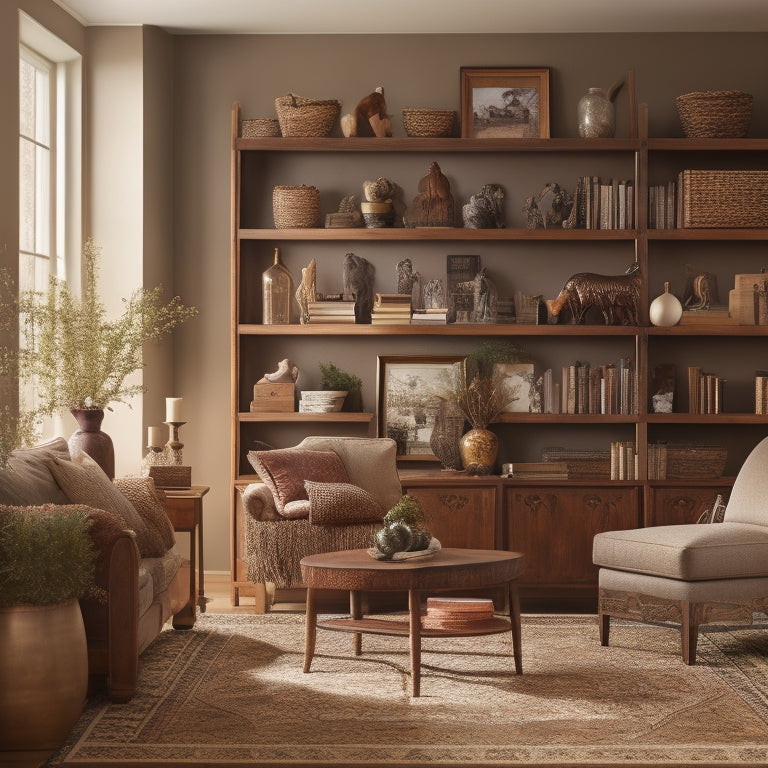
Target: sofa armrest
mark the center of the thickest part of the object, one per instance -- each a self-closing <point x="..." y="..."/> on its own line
<point x="258" y="503"/>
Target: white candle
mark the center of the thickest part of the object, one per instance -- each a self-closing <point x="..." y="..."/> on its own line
<point x="153" y="437"/>
<point x="173" y="409"/>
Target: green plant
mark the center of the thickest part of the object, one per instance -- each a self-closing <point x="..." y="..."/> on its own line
<point x="47" y="556"/>
<point x="482" y="361"/>
<point x="408" y="511"/>
<point x="333" y="378"/>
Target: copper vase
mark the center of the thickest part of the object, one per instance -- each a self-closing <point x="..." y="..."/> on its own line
<point x="479" y="448"/>
<point x="91" y="440"/>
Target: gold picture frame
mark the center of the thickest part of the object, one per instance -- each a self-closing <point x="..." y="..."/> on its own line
<point x="504" y="103"/>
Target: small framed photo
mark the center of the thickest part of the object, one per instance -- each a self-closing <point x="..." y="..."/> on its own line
<point x="519" y="381"/>
<point x="407" y="395"/>
<point x="504" y="103"/>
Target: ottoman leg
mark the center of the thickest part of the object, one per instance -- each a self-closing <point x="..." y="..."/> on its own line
<point x="605" y="626"/>
<point x="689" y="631"/>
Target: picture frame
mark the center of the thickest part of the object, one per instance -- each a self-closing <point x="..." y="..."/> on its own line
<point x="407" y="394"/>
<point x="504" y="103"/>
<point x="519" y="379"/>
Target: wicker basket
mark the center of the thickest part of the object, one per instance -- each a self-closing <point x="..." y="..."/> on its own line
<point x="715" y="114"/>
<point x="695" y="461"/>
<point x="299" y="116"/>
<point x="260" y="127"/>
<point x="712" y="199"/>
<point x="295" y="206"/>
<point x="428" y="123"/>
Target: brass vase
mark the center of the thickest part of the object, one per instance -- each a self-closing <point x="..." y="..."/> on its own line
<point x="91" y="440"/>
<point x="478" y="449"/>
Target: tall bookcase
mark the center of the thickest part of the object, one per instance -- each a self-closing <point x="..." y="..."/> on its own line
<point x="553" y="524"/>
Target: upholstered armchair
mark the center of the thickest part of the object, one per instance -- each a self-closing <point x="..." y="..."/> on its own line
<point x="322" y="495"/>
<point x="690" y="575"/>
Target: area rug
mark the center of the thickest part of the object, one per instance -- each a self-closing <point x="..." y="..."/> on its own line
<point x="231" y="692"/>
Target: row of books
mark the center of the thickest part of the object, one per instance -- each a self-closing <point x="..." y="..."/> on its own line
<point x="662" y="206"/>
<point x="623" y="460"/>
<point x="604" y="204"/>
<point x="761" y="392"/>
<point x="705" y="391"/>
<point x="604" y="389"/>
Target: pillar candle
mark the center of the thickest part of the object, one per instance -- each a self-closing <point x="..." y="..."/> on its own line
<point x="173" y="409"/>
<point x="153" y="437"/>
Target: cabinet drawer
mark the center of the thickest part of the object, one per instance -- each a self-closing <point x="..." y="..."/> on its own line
<point x="181" y="513"/>
<point x="674" y="506"/>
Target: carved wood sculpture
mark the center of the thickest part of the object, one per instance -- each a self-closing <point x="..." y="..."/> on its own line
<point x="433" y="205"/>
<point x="358" y="282"/>
<point x="369" y="118"/>
<point x="307" y="290"/>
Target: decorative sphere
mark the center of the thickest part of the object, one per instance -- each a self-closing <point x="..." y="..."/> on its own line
<point x="665" y="310"/>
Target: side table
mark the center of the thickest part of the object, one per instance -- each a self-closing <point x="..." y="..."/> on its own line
<point x="185" y="511"/>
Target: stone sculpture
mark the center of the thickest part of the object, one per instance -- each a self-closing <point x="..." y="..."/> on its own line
<point x="358" y="283"/>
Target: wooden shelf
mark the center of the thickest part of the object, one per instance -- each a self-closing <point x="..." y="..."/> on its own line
<point x="341" y="417"/>
<point x="706" y="418"/>
<point x="725" y="233"/>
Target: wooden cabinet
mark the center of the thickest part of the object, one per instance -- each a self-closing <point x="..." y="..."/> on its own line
<point x="678" y="505"/>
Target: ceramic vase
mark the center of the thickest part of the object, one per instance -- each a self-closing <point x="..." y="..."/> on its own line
<point x="665" y="310"/>
<point x="478" y="449"/>
<point x="91" y="440"/>
<point x="596" y="115"/>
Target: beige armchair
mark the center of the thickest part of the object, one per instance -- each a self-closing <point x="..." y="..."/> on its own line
<point x="347" y="505"/>
<point x="690" y="575"/>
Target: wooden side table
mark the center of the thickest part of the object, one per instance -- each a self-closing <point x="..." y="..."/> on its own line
<point x="185" y="511"/>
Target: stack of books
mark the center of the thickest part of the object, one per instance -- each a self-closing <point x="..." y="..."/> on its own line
<point x="334" y="311"/>
<point x="623" y="460"/>
<point x="433" y="316"/>
<point x="761" y="392"/>
<point x="457" y="613"/>
<point x="391" y="309"/>
<point x="546" y="470"/>
<point x="705" y="391"/>
<point x="582" y="463"/>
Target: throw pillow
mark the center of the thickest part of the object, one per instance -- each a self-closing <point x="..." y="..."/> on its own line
<point x="341" y="504"/>
<point x="85" y="482"/>
<point x="149" y="503"/>
<point x="28" y="481"/>
<point x="297" y="510"/>
<point x="284" y="470"/>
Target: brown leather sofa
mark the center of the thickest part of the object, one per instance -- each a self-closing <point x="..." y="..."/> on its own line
<point x="138" y="593"/>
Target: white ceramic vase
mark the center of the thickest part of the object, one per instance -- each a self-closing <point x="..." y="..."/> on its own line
<point x="665" y="310"/>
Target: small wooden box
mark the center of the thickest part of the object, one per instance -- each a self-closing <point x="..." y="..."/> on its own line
<point x="742" y="305"/>
<point x="171" y="475"/>
<point x="273" y="398"/>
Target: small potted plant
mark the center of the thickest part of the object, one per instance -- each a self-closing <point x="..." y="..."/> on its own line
<point x="47" y="562"/>
<point x="333" y="378"/>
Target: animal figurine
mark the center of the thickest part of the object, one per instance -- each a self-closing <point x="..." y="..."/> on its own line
<point x="615" y="296"/>
<point x="434" y="294"/>
<point x="369" y="118"/>
<point x="358" y="282"/>
<point x="433" y="205"/>
<point x="307" y="290"/>
<point x="486" y="209"/>
<point x="379" y="190"/>
<point x="286" y="373"/>
<point x="559" y="212"/>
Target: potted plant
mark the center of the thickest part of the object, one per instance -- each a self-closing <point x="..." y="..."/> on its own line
<point x="333" y="378"/>
<point x="47" y="562"/>
<point x="79" y="359"/>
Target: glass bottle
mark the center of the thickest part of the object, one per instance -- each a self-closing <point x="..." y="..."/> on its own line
<point x="277" y="291"/>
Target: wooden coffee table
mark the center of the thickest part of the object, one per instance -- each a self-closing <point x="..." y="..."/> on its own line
<point x="451" y="569"/>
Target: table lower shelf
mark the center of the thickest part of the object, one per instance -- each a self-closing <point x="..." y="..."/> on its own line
<point x="402" y="627"/>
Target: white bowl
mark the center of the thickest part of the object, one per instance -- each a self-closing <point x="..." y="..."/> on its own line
<point x="321" y="401"/>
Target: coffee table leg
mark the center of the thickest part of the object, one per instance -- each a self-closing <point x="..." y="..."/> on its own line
<point x="414" y="614"/>
<point x="356" y="611"/>
<point x="311" y="629"/>
<point x="514" y="617"/>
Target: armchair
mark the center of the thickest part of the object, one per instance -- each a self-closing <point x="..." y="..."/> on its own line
<point x="694" y="574"/>
<point x="339" y="504"/>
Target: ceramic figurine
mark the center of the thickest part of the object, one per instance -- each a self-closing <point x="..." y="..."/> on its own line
<point x="286" y="373"/>
<point x="358" y="282"/>
<point x="369" y="118"/>
<point x="307" y="290"/>
<point x="486" y="209"/>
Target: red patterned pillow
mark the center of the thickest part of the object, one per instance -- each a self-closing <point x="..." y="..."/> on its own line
<point x="284" y="470"/>
<point x="341" y="504"/>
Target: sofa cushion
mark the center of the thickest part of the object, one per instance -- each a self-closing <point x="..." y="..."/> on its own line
<point x="149" y="502"/>
<point x="748" y="500"/>
<point x="284" y="471"/>
<point x="27" y="480"/>
<point x="688" y="552"/>
<point x="85" y="482"/>
<point x="341" y="504"/>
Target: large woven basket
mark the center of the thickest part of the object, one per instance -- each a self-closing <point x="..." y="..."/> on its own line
<point x="712" y="199"/>
<point x="259" y="127"/>
<point x="295" y="206"/>
<point x="299" y="116"/>
<point x="715" y="114"/>
<point x="428" y="123"/>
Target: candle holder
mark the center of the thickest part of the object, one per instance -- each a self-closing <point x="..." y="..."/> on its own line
<point x="174" y="444"/>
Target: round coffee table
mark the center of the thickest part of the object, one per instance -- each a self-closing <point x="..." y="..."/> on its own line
<point x="450" y="569"/>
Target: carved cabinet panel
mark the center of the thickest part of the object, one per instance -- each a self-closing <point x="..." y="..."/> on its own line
<point x="674" y="506"/>
<point x="554" y="528"/>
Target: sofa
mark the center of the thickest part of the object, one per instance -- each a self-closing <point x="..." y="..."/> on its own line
<point x="322" y="495"/>
<point x="141" y="580"/>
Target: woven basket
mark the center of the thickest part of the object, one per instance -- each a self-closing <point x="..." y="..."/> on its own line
<point x="695" y="461"/>
<point x="260" y="127"/>
<point x="299" y="116"/>
<point x="712" y="199"/>
<point x="295" y="206"/>
<point x="428" y="123"/>
<point x="715" y="114"/>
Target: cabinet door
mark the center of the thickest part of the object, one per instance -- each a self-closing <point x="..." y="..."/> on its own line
<point x="674" y="506"/>
<point x="554" y="528"/>
<point x="460" y="517"/>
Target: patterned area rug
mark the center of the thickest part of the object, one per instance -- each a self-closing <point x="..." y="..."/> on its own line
<point x="231" y="692"/>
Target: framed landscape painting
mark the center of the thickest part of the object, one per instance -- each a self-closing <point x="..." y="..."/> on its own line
<point x="408" y="389"/>
<point x="504" y="103"/>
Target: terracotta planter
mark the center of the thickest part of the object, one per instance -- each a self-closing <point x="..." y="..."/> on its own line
<point x="44" y="669"/>
<point x="91" y="440"/>
<point x="479" y="448"/>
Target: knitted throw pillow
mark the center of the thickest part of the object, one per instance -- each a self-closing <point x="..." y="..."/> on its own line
<point x="149" y="502"/>
<point x="341" y="504"/>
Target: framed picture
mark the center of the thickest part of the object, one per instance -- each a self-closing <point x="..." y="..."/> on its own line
<point x="519" y="380"/>
<point x="504" y="103"/>
<point x="407" y="395"/>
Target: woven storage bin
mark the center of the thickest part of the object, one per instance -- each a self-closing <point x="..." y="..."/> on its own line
<point x="295" y="206"/>
<point x="260" y="127"/>
<point x="696" y="461"/>
<point x="428" y="123"/>
<point x="715" y="114"/>
<point x="299" y="116"/>
<point x="711" y="199"/>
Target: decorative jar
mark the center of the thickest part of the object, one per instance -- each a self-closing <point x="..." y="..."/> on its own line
<point x="596" y="115"/>
<point x="277" y="289"/>
<point x="478" y="449"/>
<point x="665" y="310"/>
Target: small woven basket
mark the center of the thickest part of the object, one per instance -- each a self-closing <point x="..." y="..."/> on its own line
<point x="295" y="206"/>
<point x="260" y="127"/>
<point x="715" y="114"/>
<point x="428" y="123"/>
<point x="299" y="116"/>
